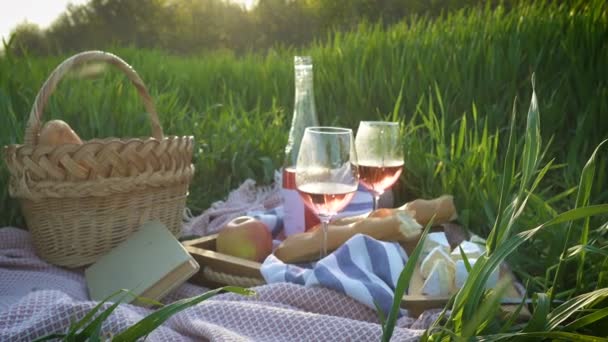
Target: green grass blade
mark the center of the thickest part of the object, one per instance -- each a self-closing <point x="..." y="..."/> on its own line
<point x="152" y="321"/>
<point x="578" y="249"/>
<point x="51" y="337"/>
<point x="588" y="319"/>
<point x="486" y="312"/>
<point x="506" y="180"/>
<point x="530" y="160"/>
<point x="538" y="321"/>
<point x="95" y="335"/>
<point x="403" y="283"/>
<point x="570" y="307"/>
<point x="95" y="325"/>
<point x="75" y="327"/>
<point x="602" y="280"/>
<point x="514" y="316"/>
<point x="465" y="260"/>
<point x="441" y="334"/>
<point x="539" y="336"/>
<point x="468" y="298"/>
<point x="381" y="316"/>
<point x="572" y="215"/>
<point x="582" y="199"/>
<point x="397" y="107"/>
<point x="436" y="324"/>
<point x="585" y="187"/>
<point x="532" y="140"/>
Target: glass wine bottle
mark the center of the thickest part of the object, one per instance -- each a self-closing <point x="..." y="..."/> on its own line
<point x="296" y="216"/>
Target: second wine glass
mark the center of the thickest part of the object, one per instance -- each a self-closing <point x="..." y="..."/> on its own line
<point x="380" y="156"/>
<point x="326" y="172"/>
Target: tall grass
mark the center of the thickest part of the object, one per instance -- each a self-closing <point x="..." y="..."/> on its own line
<point x="451" y="82"/>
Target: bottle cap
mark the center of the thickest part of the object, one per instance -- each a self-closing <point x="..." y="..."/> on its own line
<point x="300" y="61"/>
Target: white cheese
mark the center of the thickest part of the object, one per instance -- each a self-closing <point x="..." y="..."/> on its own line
<point x="435" y="240"/>
<point x="470" y="249"/>
<point x="461" y="274"/>
<point x="436" y="254"/>
<point x="439" y="282"/>
<point x="408" y="226"/>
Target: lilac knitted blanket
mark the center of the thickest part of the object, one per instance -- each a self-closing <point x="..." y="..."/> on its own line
<point x="37" y="299"/>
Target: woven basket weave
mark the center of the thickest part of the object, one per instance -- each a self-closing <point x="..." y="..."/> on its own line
<point x="79" y="201"/>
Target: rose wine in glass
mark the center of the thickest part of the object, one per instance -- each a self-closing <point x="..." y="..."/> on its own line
<point x="380" y="156"/>
<point x="326" y="173"/>
<point x="326" y="198"/>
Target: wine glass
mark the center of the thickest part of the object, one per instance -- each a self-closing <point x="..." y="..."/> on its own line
<point x="326" y="172"/>
<point x="380" y="156"/>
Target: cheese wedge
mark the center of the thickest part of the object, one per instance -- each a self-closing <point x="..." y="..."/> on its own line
<point x="470" y="249"/>
<point x="435" y="255"/>
<point x="435" y="240"/>
<point x="439" y="282"/>
<point x="461" y="274"/>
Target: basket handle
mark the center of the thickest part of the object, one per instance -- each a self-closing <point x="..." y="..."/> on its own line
<point x="32" y="128"/>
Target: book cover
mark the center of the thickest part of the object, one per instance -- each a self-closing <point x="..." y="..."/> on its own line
<point x="150" y="263"/>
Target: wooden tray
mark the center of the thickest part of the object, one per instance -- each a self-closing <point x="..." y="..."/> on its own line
<point x="416" y="302"/>
<point x="204" y="251"/>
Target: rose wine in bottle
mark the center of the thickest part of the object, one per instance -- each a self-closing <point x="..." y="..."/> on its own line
<point x="297" y="217"/>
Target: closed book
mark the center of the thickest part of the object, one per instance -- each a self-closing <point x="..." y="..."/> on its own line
<point x="150" y="263"/>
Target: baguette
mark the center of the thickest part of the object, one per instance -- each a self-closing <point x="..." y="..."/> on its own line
<point x="422" y="210"/>
<point x="402" y="224"/>
<point x="399" y="226"/>
<point x="442" y="207"/>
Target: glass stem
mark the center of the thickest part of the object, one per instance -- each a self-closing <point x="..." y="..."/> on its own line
<point x="376" y="199"/>
<point x="324" y="227"/>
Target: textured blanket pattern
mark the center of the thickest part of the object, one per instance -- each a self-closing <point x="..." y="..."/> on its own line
<point x="38" y="299"/>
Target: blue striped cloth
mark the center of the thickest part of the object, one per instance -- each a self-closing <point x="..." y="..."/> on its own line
<point x="362" y="268"/>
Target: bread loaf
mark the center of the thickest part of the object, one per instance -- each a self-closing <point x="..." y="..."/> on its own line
<point x="58" y="132"/>
<point x="401" y="224"/>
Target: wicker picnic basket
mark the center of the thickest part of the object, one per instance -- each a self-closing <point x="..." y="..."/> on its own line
<point x="79" y="201"/>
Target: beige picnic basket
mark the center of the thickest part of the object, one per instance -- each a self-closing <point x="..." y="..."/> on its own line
<point x="79" y="201"/>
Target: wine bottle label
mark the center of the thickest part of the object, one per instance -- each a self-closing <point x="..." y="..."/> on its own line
<point x="293" y="212"/>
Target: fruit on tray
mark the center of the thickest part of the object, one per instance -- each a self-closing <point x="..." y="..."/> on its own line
<point x="245" y="237"/>
<point x="57" y="132"/>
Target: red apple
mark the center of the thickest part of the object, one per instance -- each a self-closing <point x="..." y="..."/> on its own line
<point x="245" y="237"/>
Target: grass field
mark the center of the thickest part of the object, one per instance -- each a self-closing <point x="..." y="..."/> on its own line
<point x="452" y="82"/>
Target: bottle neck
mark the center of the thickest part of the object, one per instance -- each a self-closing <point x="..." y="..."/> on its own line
<point x="304" y="112"/>
<point x="304" y="82"/>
